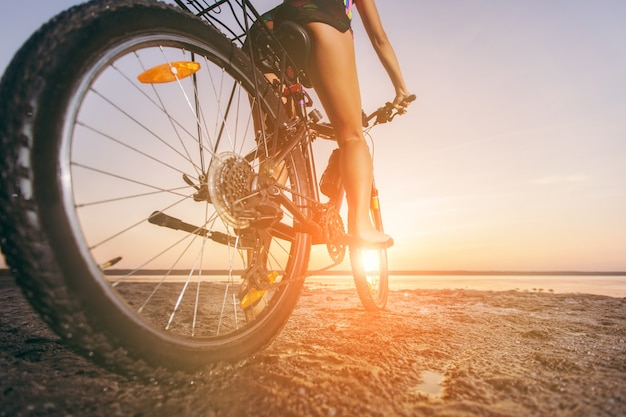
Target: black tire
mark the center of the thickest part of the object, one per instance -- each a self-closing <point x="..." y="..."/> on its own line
<point x="98" y="166"/>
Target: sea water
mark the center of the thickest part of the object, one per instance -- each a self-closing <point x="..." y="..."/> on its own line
<point x="611" y="285"/>
<point x="601" y="284"/>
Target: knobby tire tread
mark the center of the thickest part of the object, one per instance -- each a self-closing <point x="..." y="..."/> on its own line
<point x="27" y="249"/>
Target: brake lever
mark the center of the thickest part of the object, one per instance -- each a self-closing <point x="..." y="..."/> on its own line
<point x="386" y="113"/>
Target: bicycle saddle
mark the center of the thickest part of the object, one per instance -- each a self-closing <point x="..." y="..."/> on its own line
<point x="295" y="39"/>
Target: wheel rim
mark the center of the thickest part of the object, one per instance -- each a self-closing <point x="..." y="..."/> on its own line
<point x="135" y="187"/>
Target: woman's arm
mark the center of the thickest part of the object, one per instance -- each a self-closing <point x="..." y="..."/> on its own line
<point x="375" y="31"/>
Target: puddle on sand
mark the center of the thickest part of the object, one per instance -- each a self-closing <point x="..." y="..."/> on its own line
<point x="431" y="383"/>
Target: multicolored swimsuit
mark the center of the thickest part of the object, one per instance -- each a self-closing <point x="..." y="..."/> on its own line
<point x="336" y="13"/>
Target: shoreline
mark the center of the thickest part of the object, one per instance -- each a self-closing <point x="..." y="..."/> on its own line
<point x="611" y="286"/>
<point x="607" y="284"/>
<point x="400" y="272"/>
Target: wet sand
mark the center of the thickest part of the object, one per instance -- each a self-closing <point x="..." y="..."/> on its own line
<point x="433" y="352"/>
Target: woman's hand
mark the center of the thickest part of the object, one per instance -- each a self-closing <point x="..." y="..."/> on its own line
<point x="402" y="101"/>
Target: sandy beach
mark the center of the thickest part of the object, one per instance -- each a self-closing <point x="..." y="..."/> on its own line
<point x="433" y="352"/>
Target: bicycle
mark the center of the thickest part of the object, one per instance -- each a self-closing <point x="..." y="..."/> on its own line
<point x="122" y="120"/>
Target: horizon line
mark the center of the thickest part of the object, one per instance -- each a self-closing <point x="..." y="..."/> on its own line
<point x="399" y="272"/>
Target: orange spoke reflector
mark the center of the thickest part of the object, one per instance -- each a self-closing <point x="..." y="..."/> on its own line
<point x="166" y="73"/>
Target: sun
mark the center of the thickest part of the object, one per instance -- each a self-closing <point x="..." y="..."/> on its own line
<point x="370" y="260"/>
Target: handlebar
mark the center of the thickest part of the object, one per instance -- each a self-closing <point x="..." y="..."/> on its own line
<point x="385" y="114"/>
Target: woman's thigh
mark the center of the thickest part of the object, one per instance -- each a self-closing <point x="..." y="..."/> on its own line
<point x="334" y="75"/>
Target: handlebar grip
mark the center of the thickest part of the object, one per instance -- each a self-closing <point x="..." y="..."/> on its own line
<point x="389" y="105"/>
<point x="386" y="113"/>
<point x="410" y="98"/>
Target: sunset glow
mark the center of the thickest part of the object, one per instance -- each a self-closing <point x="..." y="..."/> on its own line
<point x="512" y="157"/>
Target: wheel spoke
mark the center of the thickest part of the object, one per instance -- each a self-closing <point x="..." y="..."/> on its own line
<point x="142" y="157"/>
<point x="141" y="173"/>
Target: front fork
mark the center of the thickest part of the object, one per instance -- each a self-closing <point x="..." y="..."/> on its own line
<point x="376" y="214"/>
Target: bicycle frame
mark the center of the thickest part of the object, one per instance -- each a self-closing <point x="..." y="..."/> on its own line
<point x="180" y="232"/>
<point x="237" y="18"/>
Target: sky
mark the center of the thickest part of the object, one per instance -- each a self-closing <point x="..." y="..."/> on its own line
<point x="513" y="156"/>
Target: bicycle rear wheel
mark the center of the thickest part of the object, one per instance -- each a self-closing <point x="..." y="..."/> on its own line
<point x="138" y="210"/>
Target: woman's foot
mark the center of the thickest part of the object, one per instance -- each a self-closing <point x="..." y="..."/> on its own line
<point x="377" y="240"/>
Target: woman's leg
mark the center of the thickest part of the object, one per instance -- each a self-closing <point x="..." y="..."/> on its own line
<point x="333" y="72"/>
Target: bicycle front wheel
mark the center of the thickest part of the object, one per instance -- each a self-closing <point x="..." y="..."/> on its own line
<point x="141" y="208"/>
<point x="370" y="267"/>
